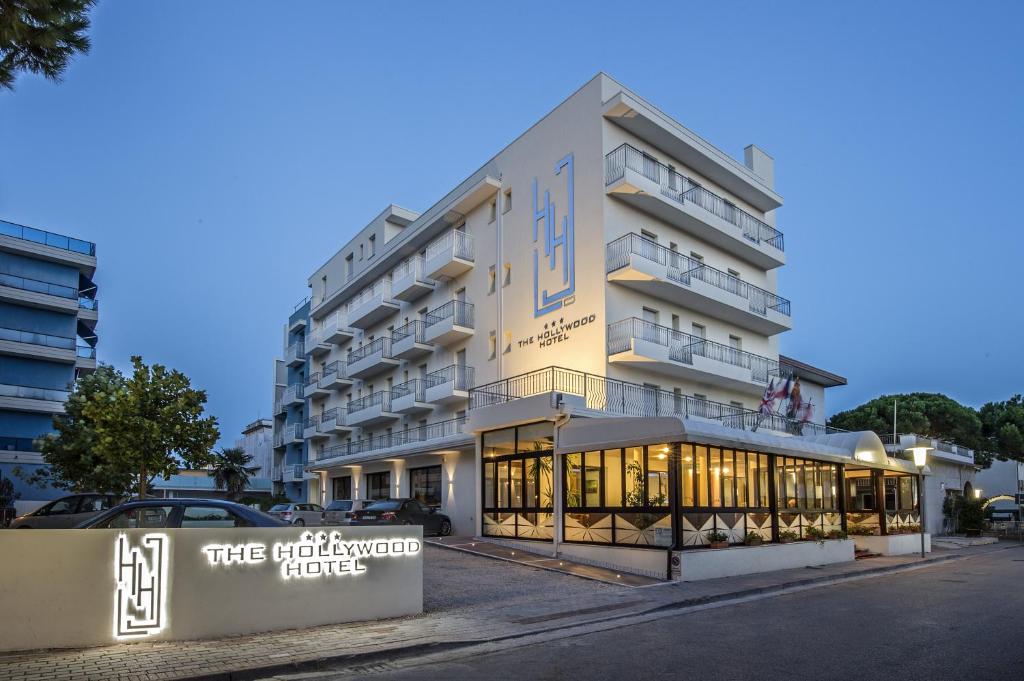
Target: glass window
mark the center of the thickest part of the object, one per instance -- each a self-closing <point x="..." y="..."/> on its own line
<point x="516" y="476"/>
<point x="686" y="475"/>
<point x="701" y="461"/>
<point x="728" y="478"/>
<point x="716" y="476"/>
<point x="613" y="477"/>
<point x="530" y="501"/>
<point x="503" y="484"/>
<point x="634" y="476"/>
<point x="536" y="437"/>
<point x="906" y="493"/>
<point x="342" y="487"/>
<point x="592" y="479"/>
<point x="489" y="484"/>
<point x="210" y="516"/>
<point x="573" y="480"/>
<point x="763" y="478"/>
<point x="547" y="499"/>
<point x="499" y="442"/>
<point x="425" y="485"/>
<point x="62" y="506"/>
<point x="828" y="486"/>
<point x="144" y="517"/>
<point x="378" y="485"/>
<point x="741" y="478"/>
<point x="657" y="474"/>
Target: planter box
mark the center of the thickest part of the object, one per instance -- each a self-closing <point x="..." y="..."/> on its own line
<point x="745" y="560"/>
<point x="894" y="544"/>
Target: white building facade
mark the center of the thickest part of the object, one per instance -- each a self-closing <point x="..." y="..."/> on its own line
<point x="607" y="264"/>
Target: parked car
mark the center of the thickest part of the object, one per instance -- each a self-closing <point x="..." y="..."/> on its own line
<point x="404" y="512"/>
<point x="66" y="512"/>
<point x="298" y="514"/>
<point x="340" y="511"/>
<point x="163" y="513"/>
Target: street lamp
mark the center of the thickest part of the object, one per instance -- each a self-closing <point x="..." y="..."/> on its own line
<point x="920" y="459"/>
<point x="977" y="493"/>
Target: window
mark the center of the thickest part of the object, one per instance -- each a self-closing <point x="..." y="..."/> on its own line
<point x="694" y="255"/>
<point x="493" y="210"/>
<point x="734" y="273"/>
<point x="62" y="507"/>
<point x="698" y="330"/>
<point x="507" y="276"/>
<point x="492" y="280"/>
<point x="508" y="342"/>
<point x="650" y="236"/>
<point x="342" y="487"/>
<point x="735" y="342"/>
<point x="650" y="315"/>
<point x="349" y="267"/>
<point x="518" y="475"/>
<point x="492" y="346"/>
<point x="378" y="485"/>
<point x="373" y="245"/>
<point x="360" y="251"/>
<point x="210" y="516"/>
<point x="508" y="201"/>
<point x="94" y="503"/>
<point x="139" y="517"/>
<point x="425" y="485"/>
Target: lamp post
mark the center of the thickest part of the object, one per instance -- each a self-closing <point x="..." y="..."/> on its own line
<point x="920" y="459"/>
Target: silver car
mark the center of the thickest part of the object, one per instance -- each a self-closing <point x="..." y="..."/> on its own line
<point x="339" y="511"/>
<point x="311" y="515"/>
<point x="65" y="512"/>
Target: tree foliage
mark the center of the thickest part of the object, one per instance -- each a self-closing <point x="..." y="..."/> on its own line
<point x="119" y="433"/>
<point x="231" y="471"/>
<point x="41" y="36"/>
<point x="1002" y="426"/>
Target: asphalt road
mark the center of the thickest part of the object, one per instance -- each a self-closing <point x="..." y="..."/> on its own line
<point x="957" y="620"/>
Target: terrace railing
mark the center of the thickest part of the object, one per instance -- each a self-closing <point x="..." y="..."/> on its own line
<point x="40" y="236"/>
<point x="460" y="310"/>
<point x="417" y="434"/>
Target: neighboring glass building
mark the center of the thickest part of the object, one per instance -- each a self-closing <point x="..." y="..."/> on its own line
<point x="48" y="315"/>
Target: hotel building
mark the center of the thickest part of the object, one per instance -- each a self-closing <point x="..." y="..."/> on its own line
<point x="48" y="316"/>
<point x="569" y="350"/>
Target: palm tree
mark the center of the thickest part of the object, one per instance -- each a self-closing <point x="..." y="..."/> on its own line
<point x="230" y="472"/>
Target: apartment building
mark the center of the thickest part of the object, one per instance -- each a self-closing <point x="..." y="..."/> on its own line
<point x="568" y="346"/>
<point x="48" y="316"/>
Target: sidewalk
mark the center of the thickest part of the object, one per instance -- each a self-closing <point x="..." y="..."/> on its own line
<point x="551" y="601"/>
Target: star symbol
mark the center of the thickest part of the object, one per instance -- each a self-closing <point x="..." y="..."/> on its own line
<point x="561" y="320"/>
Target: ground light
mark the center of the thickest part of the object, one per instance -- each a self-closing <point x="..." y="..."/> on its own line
<point x="920" y="459"/>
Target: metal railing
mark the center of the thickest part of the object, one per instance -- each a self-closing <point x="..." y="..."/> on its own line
<point x="416" y="387"/>
<point x="681" y="189"/>
<point x="936" y="443"/>
<point x="411" y="268"/>
<point x="416" y="328"/>
<point x="375" y="293"/>
<point x="328" y="416"/>
<point x="416" y="434"/>
<point x="460" y="375"/>
<point x="622" y="398"/>
<point x="295" y="351"/>
<point x="85" y="352"/>
<point x="293" y="432"/>
<point x="336" y="368"/>
<point x="33" y="338"/>
<point x="683" y="269"/>
<point x="460" y="242"/>
<point x="37" y="286"/>
<point x="34" y="393"/>
<point x="312" y="422"/>
<point x="380" y="398"/>
<point x="40" y="236"/>
<point x="293" y="392"/>
<point x="381" y="345"/>
<point x="311" y="380"/>
<point x="18" y="444"/>
<point x="459" y="310"/>
<point x="88" y="303"/>
<point x="683" y="347"/>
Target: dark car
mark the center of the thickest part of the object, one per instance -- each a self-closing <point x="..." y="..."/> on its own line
<point x="69" y="511"/>
<point x="162" y="513"/>
<point x="403" y="512"/>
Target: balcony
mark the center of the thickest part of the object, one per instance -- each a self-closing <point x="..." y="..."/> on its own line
<point x="371" y="359"/>
<point x="293" y="434"/>
<point x="85" y="359"/>
<point x="409" y="341"/>
<point x="88" y="311"/>
<point x="313" y="389"/>
<point x="276" y="474"/>
<point x="335" y="329"/>
<point x="32" y="399"/>
<point x="449" y="385"/>
<point x="279" y="439"/>
<point x="295" y="355"/>
<point x="901" y="444"/>
<point x="36" y="293"/>
<point x="450" y="431"/>
<point x="408" y="281"/>
<point x="315" y="345"/>
<point x="371" y="305"/>
<point x="293" y="396"/>
<point x="410" y="397"/>
<point x="371" y="410"/>
<point x="19" y="343"/>
<point x="333" y="421"/>
<point x="38" y="243"/>
<point x="312" y="429"/>
<point x="449" y="323"/>
<point x="279" y="408"/>
<point x="295" y="472"/>
<point x="643" y="182"/>
<point x="645" y="345"/>
<point x="450" y="255"/>
<point x="652" y="269"/>
<point x="335" y="376"/>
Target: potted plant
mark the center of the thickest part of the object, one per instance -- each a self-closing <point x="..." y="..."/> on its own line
<point x="788" y="537"/>
<point x="718" y="540"/>
<point x="814" y="534"/>
<point x="836" y="534"/>
<point x="861" y="530"/>
<point x="753" y="539"/>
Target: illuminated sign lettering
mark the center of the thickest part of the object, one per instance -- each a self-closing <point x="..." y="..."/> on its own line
<point x="559" y="247"/>
<point x="140" y="597"/>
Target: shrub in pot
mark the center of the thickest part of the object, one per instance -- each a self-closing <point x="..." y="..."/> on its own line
<point x="788" y="537"/>
<point x="753" y="539"/>
<point x="718" y="540"/>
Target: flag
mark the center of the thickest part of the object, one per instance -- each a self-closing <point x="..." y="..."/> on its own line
<point x="768" y="399"/>
<point x="794" y="399"/>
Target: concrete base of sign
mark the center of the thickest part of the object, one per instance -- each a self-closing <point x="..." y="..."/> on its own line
<point x="698" y="564"/>
<point x="79" y="588"/>
<point x="894" y="544"/>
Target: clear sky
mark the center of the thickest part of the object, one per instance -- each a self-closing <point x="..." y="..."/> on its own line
<point x="204" y="146"/>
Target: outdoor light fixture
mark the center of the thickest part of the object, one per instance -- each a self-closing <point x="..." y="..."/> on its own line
<point x="920" y="453"/>
<point x="977" y="493"/>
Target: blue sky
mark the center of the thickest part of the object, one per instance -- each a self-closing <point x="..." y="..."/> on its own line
<point x="202" y="146"/>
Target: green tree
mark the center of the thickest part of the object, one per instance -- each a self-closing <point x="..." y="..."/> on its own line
<point x="119" y="433"/>
<point x="1002" y="426"/>
<point x="8" y="495"/>
<point x="41" y="36"/>
<point x="230" y="471"/>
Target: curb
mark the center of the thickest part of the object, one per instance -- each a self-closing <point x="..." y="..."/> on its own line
<point x="332" y="661"/>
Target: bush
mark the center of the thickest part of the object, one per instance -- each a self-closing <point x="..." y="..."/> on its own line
<point x="972" y="514"/>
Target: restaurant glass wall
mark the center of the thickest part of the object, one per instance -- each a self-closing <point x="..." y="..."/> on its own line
<point x="902" y="513"/>
<point x="863" y="511"/>
<point x="518" y="482"/>
<point x="807" y="497"/>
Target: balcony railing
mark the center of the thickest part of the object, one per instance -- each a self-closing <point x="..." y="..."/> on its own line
<point x="682" y="269"/>
<point x="460" y="310"/>
<point x="681" y="189"/>
<point x="88" y="303"/>
<point x="40" y="236"/>
<point x="460" y="242"/>
<point x="85" y="352"/>
<point x="381" y="398"/>
<point x="33" y="338"/>
<point x="380" y="289"/>
<point x="431" y="431"/>
<point x="414" y="328"/>
<point x="312" y="422"/>
<point x="621" y="398"/>
<point x="295" y="351"/>
<point x="292" y="392"/>
<point x="381" y="345"/>
<point x="683" y="347"/>
<point x="940" y="445"/>
<point x="459" y="375"/>
<point x="37" y="286"/>
<point x="17" y="444"/>
<point x="328" y="416"/>
<point x="311" y="380"/>
<point x="336" y="368"/>
<point x="30" y="392"/>
<point x="416" y="387"/>
<point x="411" y="268"/>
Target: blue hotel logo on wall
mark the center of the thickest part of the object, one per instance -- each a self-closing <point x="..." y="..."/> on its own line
<point x="559" y="260"/>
